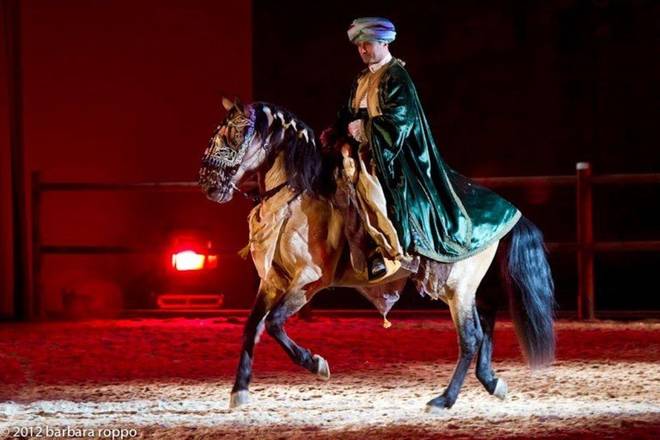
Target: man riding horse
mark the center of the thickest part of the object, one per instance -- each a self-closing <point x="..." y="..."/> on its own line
<point x="432" y="210"/>
<point x="393" y="194"/>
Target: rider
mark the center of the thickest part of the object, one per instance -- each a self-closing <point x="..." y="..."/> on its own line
<point x="437" y="213"/>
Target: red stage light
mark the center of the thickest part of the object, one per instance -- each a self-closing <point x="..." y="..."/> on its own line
<point x="189" y="260"/>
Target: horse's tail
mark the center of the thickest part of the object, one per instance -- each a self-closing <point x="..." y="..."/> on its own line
<point x="528" y="281"/>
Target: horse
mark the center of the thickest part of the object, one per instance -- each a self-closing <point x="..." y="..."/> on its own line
<point x="299" y="249"/>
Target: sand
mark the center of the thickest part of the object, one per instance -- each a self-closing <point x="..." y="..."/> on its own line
<point x="171" y="378"/>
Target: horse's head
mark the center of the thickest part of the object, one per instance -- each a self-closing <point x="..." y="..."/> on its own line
<point x="232" y="152"/>
<point x="251" y="136"/>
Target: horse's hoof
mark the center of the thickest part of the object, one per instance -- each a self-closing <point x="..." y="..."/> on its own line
<point x="323" y="371"/>
<point x="239" y="398"/>
<point x="437" y="405"/>
<point x="432" y="409"/>
<point x="500" y="389"/>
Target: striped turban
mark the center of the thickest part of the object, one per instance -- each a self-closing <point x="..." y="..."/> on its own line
<point x="371" y="29"/>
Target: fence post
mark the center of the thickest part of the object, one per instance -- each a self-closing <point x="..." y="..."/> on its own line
<point x="37" y="299"/>
<point x="585" y="242"/>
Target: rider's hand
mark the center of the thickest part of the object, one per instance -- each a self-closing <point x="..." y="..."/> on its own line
<point x="356" y="130"/>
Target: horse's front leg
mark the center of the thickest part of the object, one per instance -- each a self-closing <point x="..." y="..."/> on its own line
<point x="239" y="393"/>
<point x="285" y="308"/>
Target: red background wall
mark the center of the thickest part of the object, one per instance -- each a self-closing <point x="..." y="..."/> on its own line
<point x="126" y="91"/>
<point x="6" y="258"/>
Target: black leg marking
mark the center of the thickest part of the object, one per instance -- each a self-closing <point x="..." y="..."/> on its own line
<point x="244" y="370"/>
<point x="484" y="369"/>
<point x="275" y="327"/>
<point x="470" y="337"/>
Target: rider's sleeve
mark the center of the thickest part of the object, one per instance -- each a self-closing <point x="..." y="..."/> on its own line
<point x="387" y="132"/>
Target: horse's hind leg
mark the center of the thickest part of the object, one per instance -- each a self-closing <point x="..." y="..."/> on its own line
<point x="462" y="284"/>
<point x="287" y="307"/>
<point x="239" y="393"/>
<point x="470" y="337"/>
<point x="484" y="370"/>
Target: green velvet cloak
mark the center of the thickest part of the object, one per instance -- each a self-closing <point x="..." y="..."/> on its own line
<point x="437" y="212"/>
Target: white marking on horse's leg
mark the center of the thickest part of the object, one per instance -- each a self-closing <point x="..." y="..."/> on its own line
<point x="239" y="398"/>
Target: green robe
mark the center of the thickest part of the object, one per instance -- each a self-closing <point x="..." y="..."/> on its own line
<point x="437" y="212"/>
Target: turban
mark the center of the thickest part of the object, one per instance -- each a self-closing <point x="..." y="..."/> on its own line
<point x="371" y="29"/>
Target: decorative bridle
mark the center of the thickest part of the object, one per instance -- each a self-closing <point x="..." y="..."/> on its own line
<point x="223" y="156"/>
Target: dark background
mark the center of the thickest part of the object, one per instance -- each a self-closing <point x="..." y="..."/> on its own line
<point x="129" y="91"/>
<point x="510" y="88"/>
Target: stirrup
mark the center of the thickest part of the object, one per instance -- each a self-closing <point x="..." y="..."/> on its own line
<point x="376" y="266"/>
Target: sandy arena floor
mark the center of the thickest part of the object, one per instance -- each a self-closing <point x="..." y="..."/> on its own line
<point x="171" y="379"/>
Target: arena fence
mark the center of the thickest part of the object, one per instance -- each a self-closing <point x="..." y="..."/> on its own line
<point x="585" y="247"/>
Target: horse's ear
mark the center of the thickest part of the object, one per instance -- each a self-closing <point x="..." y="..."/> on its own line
<point x="227" y="104"/>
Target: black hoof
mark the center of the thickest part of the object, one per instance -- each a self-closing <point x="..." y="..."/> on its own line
<point x="438" y="404"/>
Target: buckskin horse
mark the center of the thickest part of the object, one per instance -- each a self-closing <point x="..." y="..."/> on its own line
<point x="298" y="247"/>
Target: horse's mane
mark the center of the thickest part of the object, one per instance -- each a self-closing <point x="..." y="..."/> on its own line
<point x="306" y="167"/>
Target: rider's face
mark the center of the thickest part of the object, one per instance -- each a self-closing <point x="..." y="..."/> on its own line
<point x="372" y="52"/>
